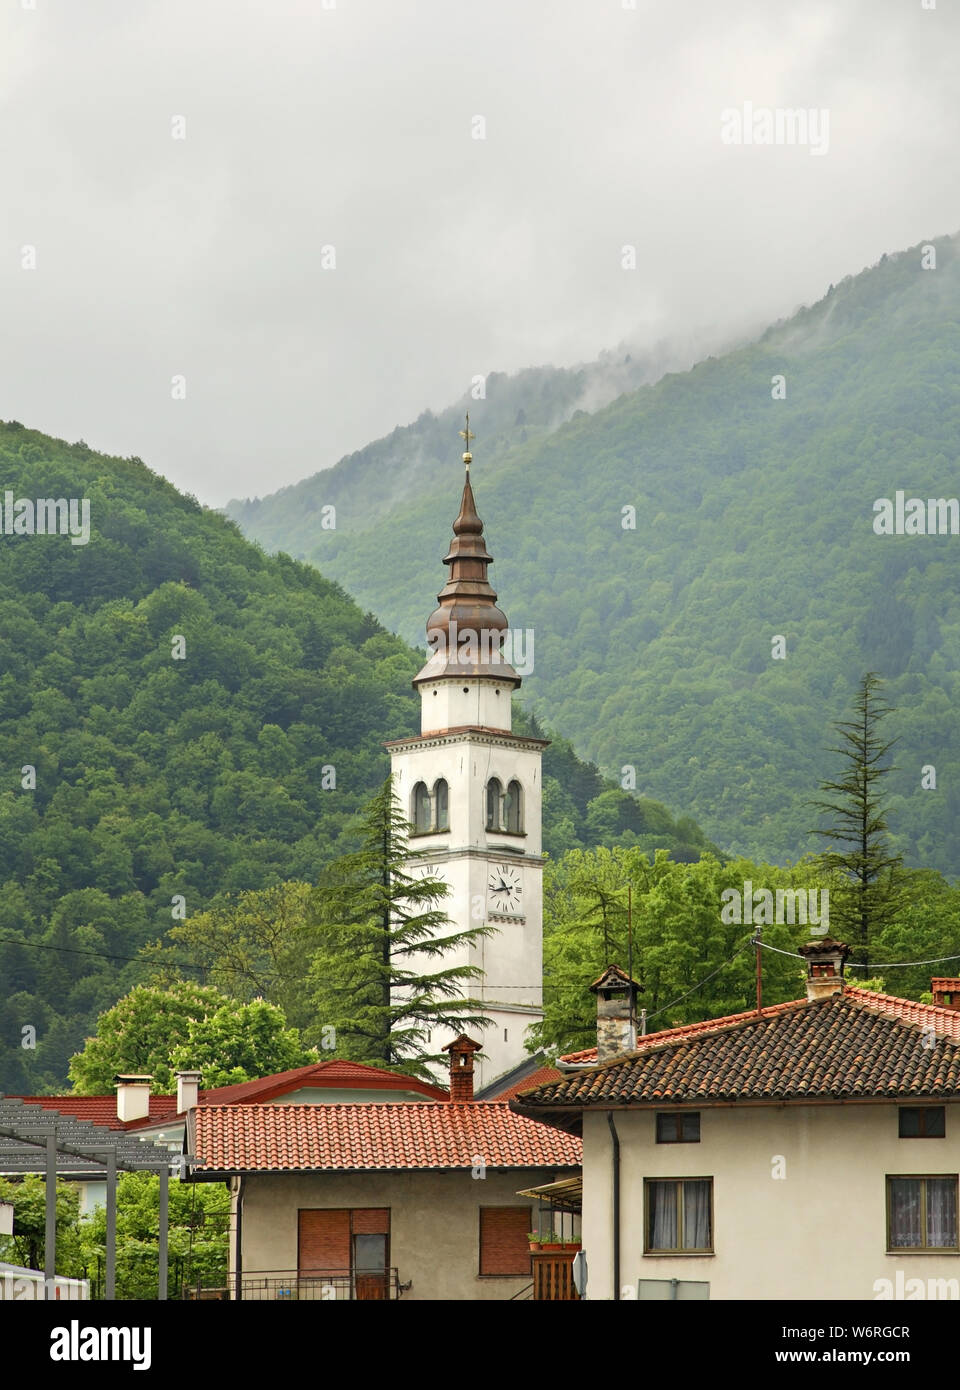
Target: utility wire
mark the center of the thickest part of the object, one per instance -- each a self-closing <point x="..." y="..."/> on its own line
<point x="857" y="965"/>
<point x="667" y="1007"/>
<point x="115" y="955"/>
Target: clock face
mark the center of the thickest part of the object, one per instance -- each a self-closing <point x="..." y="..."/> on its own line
<point x="429" y="872"/>
<point x="504" y="888"/>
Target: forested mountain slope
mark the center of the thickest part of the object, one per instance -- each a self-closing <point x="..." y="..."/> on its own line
<point x="754" y="520"/>
<point x="182" y="717"/>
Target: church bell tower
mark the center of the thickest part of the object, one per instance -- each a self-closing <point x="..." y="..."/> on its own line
<point x="472" y="790"/>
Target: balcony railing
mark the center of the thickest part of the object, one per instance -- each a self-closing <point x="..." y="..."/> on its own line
<point x="553" y="1276"/>
<point x="291" y="1286"/>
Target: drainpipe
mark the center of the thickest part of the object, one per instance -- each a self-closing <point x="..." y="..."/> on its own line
<point x="239" y="1261"/>
<point x="616" y="1204"/>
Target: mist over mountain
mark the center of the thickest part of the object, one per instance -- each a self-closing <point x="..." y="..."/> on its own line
<point x="506" y="412"/>
<point x="752" y="478"/>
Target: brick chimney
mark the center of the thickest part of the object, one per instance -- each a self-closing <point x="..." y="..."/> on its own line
<point x="133" y="1097"/>
<point x="188" y="1088"/>
<point x="616" y="1013"/>
<point x="946" y="992"/>
<point x="825" y="963"/>
<point x="461" y="1068"/>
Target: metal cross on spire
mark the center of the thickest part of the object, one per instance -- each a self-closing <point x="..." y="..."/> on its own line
<point x="466" y="435"/>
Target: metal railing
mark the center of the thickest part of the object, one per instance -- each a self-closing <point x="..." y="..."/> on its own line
<point x="319" y="1286"/>
<point x="523" y="1294"/>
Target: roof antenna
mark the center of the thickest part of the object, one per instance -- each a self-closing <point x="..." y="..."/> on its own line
<point x="758" y="941"/>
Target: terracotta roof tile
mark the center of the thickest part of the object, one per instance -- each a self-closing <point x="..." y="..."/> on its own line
<point x="335" y="1074"/>
<point x="290" y="1138"/>
<point x="102" y="1110"/>
<point x="944" y="1021"/>
<point x="845" y="1047"/>
<point x="588" y="1057"/>
<point x="536" y="1078"/>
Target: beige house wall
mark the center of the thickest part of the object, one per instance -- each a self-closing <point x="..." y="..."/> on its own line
<point x="819" y="1232"/>
<point x="434" y="1222"/>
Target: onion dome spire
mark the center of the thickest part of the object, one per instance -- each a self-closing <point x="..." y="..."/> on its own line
<point x="466" y="631"/>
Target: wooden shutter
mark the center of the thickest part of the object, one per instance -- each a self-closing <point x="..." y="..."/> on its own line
<point x="371" y="1221"/>
<point x="324" y="1241"/>
<point x="504" y="1247"/>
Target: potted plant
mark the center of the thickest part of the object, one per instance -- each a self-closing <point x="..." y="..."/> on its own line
<point x="551" y="1241"/>
<point x="534" y="1238"/>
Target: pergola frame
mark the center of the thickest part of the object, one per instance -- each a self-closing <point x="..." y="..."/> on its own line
<point x="77" y="1148"/>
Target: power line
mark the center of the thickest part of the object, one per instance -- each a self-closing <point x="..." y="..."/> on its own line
<point x="138" y="960"/>
<point x="858" y="965"/>
<point x="903" y="964"/>
<point x="667" y="1007"/>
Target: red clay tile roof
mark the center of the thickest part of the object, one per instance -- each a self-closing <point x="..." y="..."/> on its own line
<point x="588" y="1057"/>
<point x="944" y="1021"/>
<point x="332" y="1075"/>
<point x="102" y="1110"/>
<point x="843" y="1047"/>
<point x="335" y="1074"/>
<point x="540" y="1077"/>
<point x="291" y="1138"/>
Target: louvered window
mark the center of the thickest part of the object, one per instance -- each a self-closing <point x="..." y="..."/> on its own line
<point x="504" y="1242"/>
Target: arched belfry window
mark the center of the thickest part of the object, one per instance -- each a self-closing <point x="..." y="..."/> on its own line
<point x="441" y="800"/>
<point x="512" y="809"/>
<point x="422" y="820"/>
<point x="494" y="795"/>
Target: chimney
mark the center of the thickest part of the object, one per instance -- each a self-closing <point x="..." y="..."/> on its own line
<point x="461" y="1068"/>
<point x="946" y="993"/>
<point x="825" y="962"/>
<point x="188" y="1089"/>
<point x="616" y="1013"/>
<point x="133" y="1097"/>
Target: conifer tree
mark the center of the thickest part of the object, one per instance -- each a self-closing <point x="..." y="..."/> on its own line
<point x="870" y="876"/>
<point x="378" y="977"/>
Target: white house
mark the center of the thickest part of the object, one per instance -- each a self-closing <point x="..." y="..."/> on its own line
<point x="809" y="1150"/>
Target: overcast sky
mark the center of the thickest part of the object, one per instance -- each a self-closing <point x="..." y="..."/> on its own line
<point x="353" y="127"/>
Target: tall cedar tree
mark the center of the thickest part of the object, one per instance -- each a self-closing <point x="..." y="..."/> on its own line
<point x="872" y="877"/>
<point x="381" y="929"/>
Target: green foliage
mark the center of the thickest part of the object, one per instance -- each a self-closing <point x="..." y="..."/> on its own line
<point x="197" y="1241"/>
<point x="388" y="970"/>
<point x="926" y="928"/>
<point x="156" y="1030"/>
<point x="252" y="945"/>
<point x="690" y="965"/>
<point x="138" y="1036"/>
<point x="679" y="939"/>
<point x="753" y="519"/>
<point x="870" y="878"/>
<point x="165" y="786"/>
<point x="240" y="1042"/>
<point x="26" y="1245"/>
